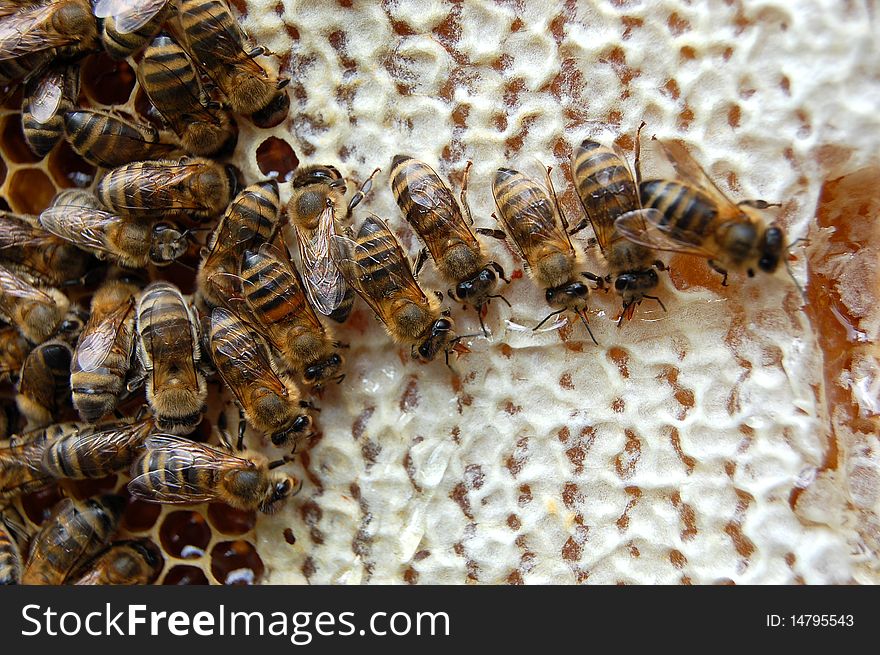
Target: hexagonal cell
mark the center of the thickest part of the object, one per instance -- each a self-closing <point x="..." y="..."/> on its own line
<point x="68" y="168"/>
<point x="38" y="505"/>
<point x="229" y="520"/>
<point x="140" y="516"/>
<point x="185" y="575"/>
<point x="276" y="159"/>
<point x="236" y="563"/>
<point x="30" y="191"/>
<point x="185" y="535"/>
<point x="105" y="81"/>
<point x="15" y="148"/>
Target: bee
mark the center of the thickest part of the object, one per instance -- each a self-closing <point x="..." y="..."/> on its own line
<point x="172" y="83"/>
<point x="108" y="140"/>
<point x="175" y="470"/>
<point x="694" y="217"/>
<point x="250" y="220"/>
<point x="75" y="532"/>
<point x="429" y="207"/>
<point x="135" y="562"/>
<point x="103" y="353"/>
<point x="537" y="227"/>
<point x="199" y="188"/>
<point x="21" y="463"/>
<point x="273" y="290"/>
<point x="12" y="535"/>
<point x="14" y="348"/>
<point x="376" y="267"/>
<point x="607" y="190"/>
<point x="270" y="401"/>
<point x="216" y="42"/>
<point x="129" y="24"/>
<point x="36" y="34"/>
<point x="168" y="351"/>
<point x="96" y="452"/>
<point x="77" y="217"/>
<point x="28" y="249"/>
<point x="315" y="207"/>
<point x="35" y="312"/>
<point x="46" y="100"/>
<point x="44" y="387"/>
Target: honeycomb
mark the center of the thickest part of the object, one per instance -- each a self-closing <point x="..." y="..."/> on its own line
<point x="732" y="438"/>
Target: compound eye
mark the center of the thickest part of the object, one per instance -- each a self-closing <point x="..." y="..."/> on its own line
<point x="423" y="350"/>
<point x="621" y="283"/>
<point x="462" y="290"/>
<point x="487" y="275"/>
<point x="301" y="423"/>
<point x="443" y="325"/>
<point x="311" y="373"/>
<point x="335" y="360"/>
<point x="283" y="488"/>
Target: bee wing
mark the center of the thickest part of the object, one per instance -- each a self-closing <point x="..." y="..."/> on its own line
<point x="15" y="234"/>
<point x="644" y="227"/>
<point x="130" y="15"/>
<point x="12" y="285"/>
<point x="24" y="31"/>
<point x="183" y="455"/>
<point x="166" y="345"/>
<point x="227" y="43"/>
<point x="154" y="183"/>
<point x="689" y="171"/>
<point x="242" y="347"/>
<point x="95" y="344"/>
<point x="82" y="225"/>
<point x="47" y="95"/>
<point x="438" y="200"/>
<point x="99" y="448"/>
<point x="324" y="283"/>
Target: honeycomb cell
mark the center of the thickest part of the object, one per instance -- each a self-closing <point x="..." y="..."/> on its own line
<point x="140" y="516"/>
<point x="4" y="204"/>
<point x="229" y="520"/>
<point x="276" y="159"/>
<point x="87" y="488"/>
<point x="185" y="534"/>
<point x="30" y="191"/>
<point x="15" y="148"/>
<point x="107" y="82"/>
<point x="38" y="505"/>
<point x="236" y="563"/>
<point x="68" y="168"/>
<point x="2" y="172"/>
<point x="185" y="575"/>
<point x="145" y="109"/>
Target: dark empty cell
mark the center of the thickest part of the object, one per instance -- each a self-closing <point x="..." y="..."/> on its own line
<point x="236" y="563"/>
<point x="2" y="171"/>
<point x="140" y="516"/>
<point x="185" y="575"/>
<point x="30" y="191"/>
<point x="229" y="520"/>
<point x="14" y="100"/>
<point x="15" y="148"/>
<point x="38" y="505"/>
<point x="4" y="205"/>
<point x="87" y="488"/>
<point x="69" y="169"/>
<point x="277" y="159"/>
<point x="185" y="534"/>
<point x="145" y="109"/>
<point x="105" y="81"/>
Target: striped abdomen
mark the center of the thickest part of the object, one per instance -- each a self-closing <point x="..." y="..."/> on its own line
<point x="171" y="81"/>
<point x="164" y="328"/>
<point x="158" y="469"/>
<point x="604" y="183"/>
<point x="120" y="45"/>
<point x="76" y="531"/>
<point x="44" y="388"/>
<point x="108" y="141"/>
<point x="10" y="556"/>
<point x="96" y="453"/>
<point x="273" y="291"/>
<point x="688" y="213"/>
<point x="381" y="256"/>
<point x="42" y="135"/>
<point x="21" y="469"/>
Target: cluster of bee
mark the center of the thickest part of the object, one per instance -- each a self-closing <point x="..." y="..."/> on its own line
<point x="257" y="321"/>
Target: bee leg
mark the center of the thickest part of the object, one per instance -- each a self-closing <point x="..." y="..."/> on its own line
<point x="547" y="318"/>
<point x="580" y="226"/>
<point x="715" y="267"/>
<point x="281" y="462"/>
<point x="638" y="154"/>
<point x="495" y="234"/>
<point x="242" y="426"/>
<point x="136" y="381"/>
<point x="464" y="188"/>
<point x="498" y="295"/>
<point x="500" y="271"/>
<point x="256" y="52"/>
<point x="758" y="204"/>
<point x="339" y="378"/>
<point x="659" y="302"/>
<point x="592" y="277"/>
<point x="305" y="404"/>
<point x="361" y="194"/>
<point x="421" y="258"/>
<point x="660" y="266"/>
<point x="340" y="344"/>
<point x="482" y="324"/>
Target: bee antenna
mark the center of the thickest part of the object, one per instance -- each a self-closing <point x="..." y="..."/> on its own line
<point x="794" y="279"/>
<point x="659" y="302"/>
<point x="587" y="325"/>
<point x="547" y="318"/>
<point x="506" y="301"/>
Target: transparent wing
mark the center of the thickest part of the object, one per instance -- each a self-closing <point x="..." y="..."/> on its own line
<point x="157" y="183"/>
<point x="166" y="348"/>
<point x="324" y="283"/>
<point x="14" y="234"/>
<point x="432" y="196"/>
<point x="643" y="227"/>
<point x="24" y="32"/>
<point x="227" y="42"/>
<point x="290" y="275"/>
<point x="248" y="355"/>
<point x="96" y="449"/>
<point x="130" y="15"/>
<point x="95" y="345"/>
<point x="82" y="225"/>
<point x="12" y="285"/>
<point x="47" y="95"/>
<point x="689" y="171"/>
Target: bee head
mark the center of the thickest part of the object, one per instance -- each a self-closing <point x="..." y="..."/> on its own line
<point x="475" y="289"/>
<point x="770" y="248"/>
<point x="276" y="110"/>
<point x="296" y="429"/>
<point x="323" y="370"/>
<point x="438" y="338"/>
<point x="167" y="244"/>
<point x="571" y="295"/>
<point x="281" y="486"/>
<point x="632" y="285"/>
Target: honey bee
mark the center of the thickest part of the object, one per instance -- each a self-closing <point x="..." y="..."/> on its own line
<point x="429" y="207"/>
<point x="35" y="312"/>
<point x="536" y="226"/>
<point x="176" y="471"/>
<point x="172" y="83"/>
<point x="129" y="24"/>
<point x="107" y="140"/>
<point x="44" y="387"/>
<point x="96" y="452"/>
<point x="315" y="207"/>
<point x="135" y="562"/>
<point x="694" y="217"/>
<point x="75" y="532"/>
<point x="168" y="351"/>
<point x="46" y="100"/>
<point x="103" y="353"/>
<point x="270" y="401"/>
<point x="250" y="220"/>
<point x="14" y="348"/>
<point x="376" y="267"/>
<point x="216" y="42"/>
<point x="274" y="292"/>
<point x="21" y="463"/>
<point x="28" y="249"/>
<point x="11" y="534"/>
<point x="607" y="190"/>
<point x="199" y="188"/>
<point x="77" y="217"/>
